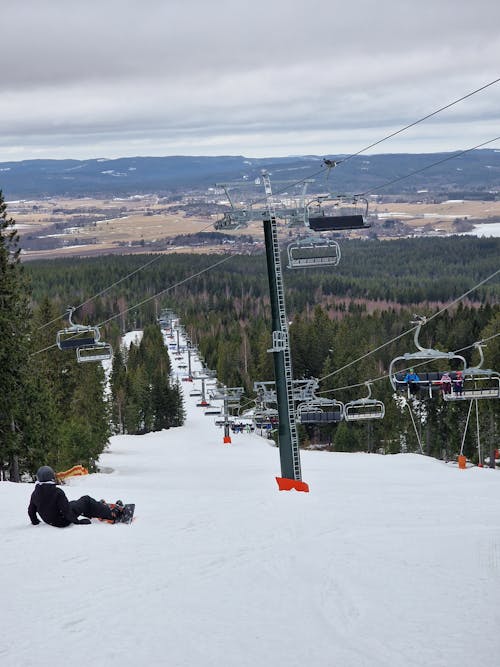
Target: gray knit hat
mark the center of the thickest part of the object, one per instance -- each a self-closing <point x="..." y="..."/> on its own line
<point x="46" y="474"/>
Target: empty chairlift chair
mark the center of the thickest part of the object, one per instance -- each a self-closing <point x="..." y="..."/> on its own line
<point x="313" y="252"/>
<point x="85" y="340"/>
<point x="320" y="411"/>
<point x="336" y="213"/>
<point x="364" y="409"/>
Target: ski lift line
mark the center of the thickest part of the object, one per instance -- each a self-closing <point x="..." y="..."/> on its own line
<point x="415" y="427"/>
<point x="479" y="342"/>
<point x="420" y="120"/>
<point x="393" y="134"/>
<point x="154" y="296"/>
<point x="434" y="164"/>
<point x="106" y="289"/>
<point x="370" y="352"/>
<point x="386" y="376"/>
<point x="462" y="296"/>
<point x="431" y="317"/>
<point x="167" y="289"/>
<point x="465" y="429"/>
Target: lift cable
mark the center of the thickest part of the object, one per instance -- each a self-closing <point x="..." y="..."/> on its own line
<point x="328" y="166"/>
<point x="154" y="296"/>
<point x="385" y="375"/>
<point x="107" y="289"/>
<point x="434" y="164"/>
<point x="439" y="312"/>
<point x="316" y="173"/>
<point x="103" y="291"/>
<point x="420" y="120"/>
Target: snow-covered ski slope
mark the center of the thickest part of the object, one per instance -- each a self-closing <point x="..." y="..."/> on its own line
<point x="389" y="561"/>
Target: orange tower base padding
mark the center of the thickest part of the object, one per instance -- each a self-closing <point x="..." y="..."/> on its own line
<point x="75" y="471"/>
<point x="285" y="484"/>
<point x="227" y="439"/>
<point x="462" y="461"/>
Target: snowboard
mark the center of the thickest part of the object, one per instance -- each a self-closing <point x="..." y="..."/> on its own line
<point x="127" y="516"/>
<point x="128" y="513"/>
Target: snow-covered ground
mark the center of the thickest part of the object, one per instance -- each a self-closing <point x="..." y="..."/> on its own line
<point x="389" y="561"/>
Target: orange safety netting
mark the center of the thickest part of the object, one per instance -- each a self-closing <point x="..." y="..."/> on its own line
<point x="72" y="472"/>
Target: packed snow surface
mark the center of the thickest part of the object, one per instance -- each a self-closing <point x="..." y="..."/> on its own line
<point x="389" y="561"/>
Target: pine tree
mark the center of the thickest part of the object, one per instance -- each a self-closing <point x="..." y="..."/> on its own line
<point x="14" y="336"/>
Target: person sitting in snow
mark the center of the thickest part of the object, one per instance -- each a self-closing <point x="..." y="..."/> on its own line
<point x="50" y="503"/>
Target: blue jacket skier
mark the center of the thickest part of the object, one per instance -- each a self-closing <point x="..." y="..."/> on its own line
<point x="412" y="380"/>
<point x="50" y="503"/>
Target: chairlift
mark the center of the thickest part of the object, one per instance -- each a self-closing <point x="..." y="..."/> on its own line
<point x="98" y="352"/>
<point x="85" y="340"/>
<point x="212" y="410"/>
<point x="478" y="382"/>
<point x="431" y="380"/>
<point x="313" y="252"/>
<point x="320" y="411"/>
<point x="76" y="335"/>
<point x="266" y="418"/>
<point x="336" y="212"/>
<point x="364" y="408"/>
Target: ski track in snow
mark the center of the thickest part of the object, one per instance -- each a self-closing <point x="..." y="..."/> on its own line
<point x="389" y="561"/>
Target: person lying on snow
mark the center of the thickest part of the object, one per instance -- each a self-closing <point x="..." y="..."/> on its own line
<point x="50" y="503"/>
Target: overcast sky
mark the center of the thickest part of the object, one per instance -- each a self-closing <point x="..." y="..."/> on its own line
<point x="260" y="78"/>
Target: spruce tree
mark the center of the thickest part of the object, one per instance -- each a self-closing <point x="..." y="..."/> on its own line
<point x="14" y="337"/>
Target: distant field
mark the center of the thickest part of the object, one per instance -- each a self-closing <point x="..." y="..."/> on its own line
<point x="98" y="226"/>
<point x="442" y="214"/>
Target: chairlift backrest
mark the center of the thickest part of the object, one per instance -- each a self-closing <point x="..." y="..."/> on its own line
<point x="313" y="252"/>
<point x="336" y="213"/>
<point x="72" y="340"/>
<point x="364" y="408"/>
<point x="423" y="355"/>
<point x="76" y="335"/>
<point x="97" y="352"/>
<point x="320" y="411"/>
<point x="478" y="382"/>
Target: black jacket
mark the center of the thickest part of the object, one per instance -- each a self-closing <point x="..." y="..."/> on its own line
<point x="50" y="502"/>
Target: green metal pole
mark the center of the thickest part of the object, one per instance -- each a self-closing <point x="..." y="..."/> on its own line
<point x="284" y="434"/>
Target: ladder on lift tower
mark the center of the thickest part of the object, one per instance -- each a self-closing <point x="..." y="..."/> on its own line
<point x="281" y="337"/>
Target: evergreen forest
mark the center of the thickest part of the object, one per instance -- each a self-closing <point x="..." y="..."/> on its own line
<point x="346" y="325"/>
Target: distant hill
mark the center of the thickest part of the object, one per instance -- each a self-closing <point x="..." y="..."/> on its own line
<point x="474" y="173"/>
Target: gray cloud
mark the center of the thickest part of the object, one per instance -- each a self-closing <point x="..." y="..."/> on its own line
<point x="261" y="78"/>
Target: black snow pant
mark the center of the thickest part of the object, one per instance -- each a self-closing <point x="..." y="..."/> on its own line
<point x="90" y="508"/>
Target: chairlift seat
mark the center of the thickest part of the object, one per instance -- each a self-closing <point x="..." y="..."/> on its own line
<point x="313" y="252"/>
<point x="320" y="417"/>
<point x="364" y="409"/>
<point x="478" y="383"/>
<point x="325" y="223"/>
<point x="74" y="343"/>
<point x="97" y="352"/>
